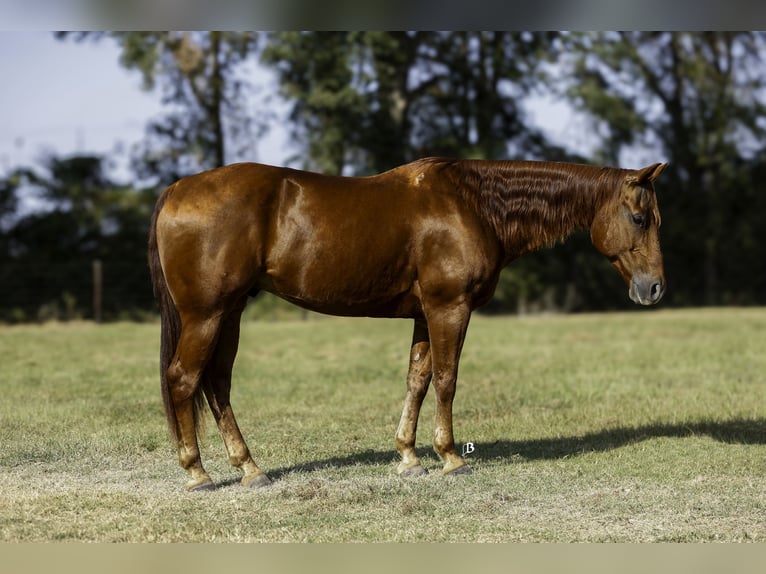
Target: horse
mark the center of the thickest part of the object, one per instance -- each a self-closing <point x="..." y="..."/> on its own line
<point x="424" y="241"/>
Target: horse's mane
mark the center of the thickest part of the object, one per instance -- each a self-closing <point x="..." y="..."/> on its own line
<point x="531" y="204"/>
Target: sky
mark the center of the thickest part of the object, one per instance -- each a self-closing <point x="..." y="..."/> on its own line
<point x="64" y="97"/>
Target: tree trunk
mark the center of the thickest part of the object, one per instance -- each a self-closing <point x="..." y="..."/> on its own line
<point x="216" y="104"/>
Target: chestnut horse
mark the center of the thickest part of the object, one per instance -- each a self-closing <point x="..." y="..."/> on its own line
<point x="424" y="241"/>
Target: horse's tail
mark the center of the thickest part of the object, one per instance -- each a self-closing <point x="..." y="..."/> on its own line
<point x="170" y="320"/>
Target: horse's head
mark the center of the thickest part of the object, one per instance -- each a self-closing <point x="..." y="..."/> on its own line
<point x="626" y="230"/>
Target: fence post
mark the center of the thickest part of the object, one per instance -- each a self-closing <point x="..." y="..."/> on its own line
<point x="98" y="284"/>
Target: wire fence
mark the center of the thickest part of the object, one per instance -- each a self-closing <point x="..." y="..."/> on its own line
<point x="80" y="289"/>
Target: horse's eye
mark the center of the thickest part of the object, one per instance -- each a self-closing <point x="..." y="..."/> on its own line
<point x="638" y="219"/>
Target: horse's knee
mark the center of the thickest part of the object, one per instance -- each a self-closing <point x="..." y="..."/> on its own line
<point x="444" y="388"/>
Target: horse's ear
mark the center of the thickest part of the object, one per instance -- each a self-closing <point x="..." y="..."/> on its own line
<point x="658" y="169"/>
<point x="647" y="174"/>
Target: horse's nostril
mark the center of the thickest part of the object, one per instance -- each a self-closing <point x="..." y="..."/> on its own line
<point x="656" y="291"/>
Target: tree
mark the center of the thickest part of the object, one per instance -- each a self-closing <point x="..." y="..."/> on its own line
<point x="365" y="102"/>
<point x="47" y="254"/>
<point x="316" y="72"/>
<point x="203" y="80"/>
<point x="698" y="99"/>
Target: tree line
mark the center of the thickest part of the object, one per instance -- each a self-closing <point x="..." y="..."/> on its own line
<point x="363" y="102"/>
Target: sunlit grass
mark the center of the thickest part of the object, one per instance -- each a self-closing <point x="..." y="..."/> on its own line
<point x="640" y="426"/>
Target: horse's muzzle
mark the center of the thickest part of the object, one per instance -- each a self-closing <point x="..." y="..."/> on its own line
<point x="646" y="289"/>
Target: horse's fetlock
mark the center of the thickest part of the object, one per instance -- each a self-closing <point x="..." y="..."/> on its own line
<point x="188" y="459"/>
<point x="239" y="459"/>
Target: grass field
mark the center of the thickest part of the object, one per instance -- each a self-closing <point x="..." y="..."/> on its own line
<point x="644" y="426"/>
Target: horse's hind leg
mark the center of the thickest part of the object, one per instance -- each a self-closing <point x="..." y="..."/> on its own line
<point x="195" y="345"/>
<point x="217" y="386"/>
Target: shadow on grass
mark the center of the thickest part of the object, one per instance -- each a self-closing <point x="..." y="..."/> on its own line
<point x="735" y="431"/>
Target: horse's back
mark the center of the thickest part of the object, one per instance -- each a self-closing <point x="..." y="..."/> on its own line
<point x="253" y="186"/>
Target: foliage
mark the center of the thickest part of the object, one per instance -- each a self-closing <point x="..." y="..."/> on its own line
<point x="316" y="74"/>
<point x="202" y="76"/>
<point x="363" y="102"/>
<point x="202" y="81"/>
<point x="46" y="263"/>
<point x="699" y="101"/>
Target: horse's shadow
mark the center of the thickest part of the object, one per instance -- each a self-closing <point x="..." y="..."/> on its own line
<point x="735" y="431"/>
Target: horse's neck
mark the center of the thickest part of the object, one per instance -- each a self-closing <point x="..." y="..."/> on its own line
<point x="536" y="204"/>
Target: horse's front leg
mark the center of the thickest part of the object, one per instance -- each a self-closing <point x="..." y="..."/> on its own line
<point x="418" y="378"/>
<point x="447" y="328"/>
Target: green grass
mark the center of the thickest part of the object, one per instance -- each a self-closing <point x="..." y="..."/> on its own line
<point x="643" y="426"/>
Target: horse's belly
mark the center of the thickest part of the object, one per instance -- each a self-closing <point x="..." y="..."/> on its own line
<point x="350" y="286"/>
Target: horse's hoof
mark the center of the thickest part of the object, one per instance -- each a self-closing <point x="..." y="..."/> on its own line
<point x="255" y="481"/>
<point x="413" y="471"/>
<point x="200" y="485"/>
<point x="460" y="471"/>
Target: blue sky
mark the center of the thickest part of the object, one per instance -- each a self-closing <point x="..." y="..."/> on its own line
<point x="65" y="97"/>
